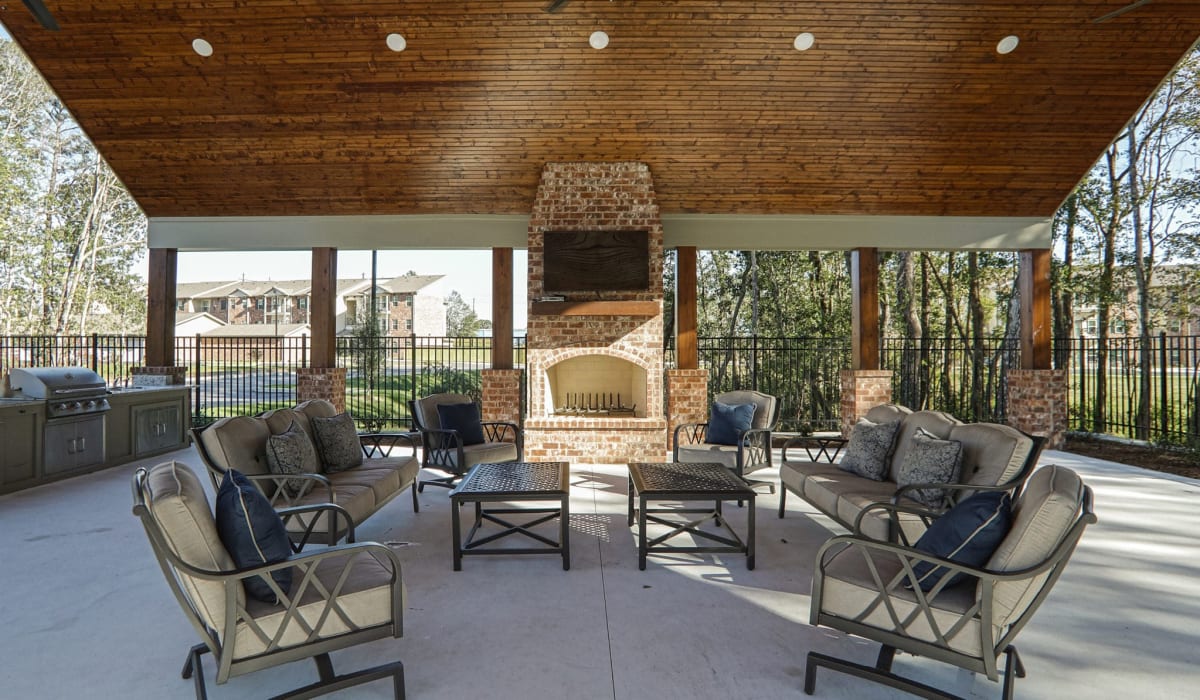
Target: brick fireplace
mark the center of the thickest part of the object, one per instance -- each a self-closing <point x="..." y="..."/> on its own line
<point x="594" y="363"/>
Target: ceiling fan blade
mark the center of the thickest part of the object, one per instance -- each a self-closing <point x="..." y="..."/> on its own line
<point x="38" y="8"/>
<point x="555" y="5"/>
<point x="1120" y="11"/>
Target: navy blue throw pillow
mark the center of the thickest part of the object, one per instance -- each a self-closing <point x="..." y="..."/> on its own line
<point x="253" y="533"/>
<point x="463" y="417"/>
<point x="727" y="422"/>
<point x="968" y="533"/>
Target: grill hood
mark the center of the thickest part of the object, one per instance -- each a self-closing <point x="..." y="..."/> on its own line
<point x="55" y="382"/>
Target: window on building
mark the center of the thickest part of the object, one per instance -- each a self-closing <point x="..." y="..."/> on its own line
<point x="408" y="300"/>
<point x="224" y="304"/>
<point x="181" y="304"/>
<point x="205" y="305"/>
<point x="395" y="300"/>
<point x="408" y="324"/>
<point x="395" y="325"/>
<point x="1118" y="327"/>
<point x="1174" y="325"/>
<point x="1089" y="326"/>
<point x="302" y="302"/>
<point x="260" y="303"/>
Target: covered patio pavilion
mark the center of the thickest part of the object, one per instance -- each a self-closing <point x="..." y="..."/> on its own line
<point x="90" y="615"/>
<point x="762" y="125"/>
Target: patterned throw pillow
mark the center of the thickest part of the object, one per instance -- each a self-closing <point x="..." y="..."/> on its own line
<point x="292" y="452"/>
<point x="930" y="460"/>
<point x="867" y="451"/>
<point x="337" y="441"/>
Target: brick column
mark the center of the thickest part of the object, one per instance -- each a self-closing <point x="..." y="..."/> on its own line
<point x="862" y="390"/>
<point x="1037" y="403"/>
<point x="158" y="376"/>
<point x="501" y="394"/>
<point x="687" y="399"/>
<point x="322" y="383"/>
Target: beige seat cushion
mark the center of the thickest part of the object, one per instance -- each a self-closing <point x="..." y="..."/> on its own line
<point x="1042" y="516"/>
<point x="486" y="452"/>
<point x="366" y="600"/>
<point x="992" y="453"/>
<point x="850" y="592"/>
<point x="794" y="474"/>
<point x="351" y="493"/>
<point x="178" y="505"/>
<point x="238" y="443"/>
<point x="704" y="452"/>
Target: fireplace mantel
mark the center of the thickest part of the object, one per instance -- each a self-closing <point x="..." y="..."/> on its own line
<point x="595" y="308"/>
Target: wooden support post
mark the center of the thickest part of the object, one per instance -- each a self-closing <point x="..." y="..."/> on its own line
<point x="864" y="332"/>
<point x="160" y="308"/>
<point x="502" y="308"/>
<point x="687" y="355"/>
<point x="1034" y="275"/>
<point x="323" y="309"/>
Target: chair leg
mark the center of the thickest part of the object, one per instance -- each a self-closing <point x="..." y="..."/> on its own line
<point x="330" y="682"/>
<point x="782" y="500"/>
<point x="416" y="506"/>
<point x="194" y="669"/>
<point x="869" y="673"/>
<point x="886" y="656"/>
<point x="1013" y="669"/>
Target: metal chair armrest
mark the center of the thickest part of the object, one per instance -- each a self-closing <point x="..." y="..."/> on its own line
<point x="336" y="512"/>
<point x="895" y="532"/>
<point x="282" y="498"/>
<point x="498" y="431"/>
<point x="693" y="432"/>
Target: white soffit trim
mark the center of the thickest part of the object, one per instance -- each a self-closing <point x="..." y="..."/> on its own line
<point x="704" y="231"/>
<point x="786" y="232"/>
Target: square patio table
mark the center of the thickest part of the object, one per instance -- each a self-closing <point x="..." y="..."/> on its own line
<point x="651" y="482"/>
<point x="513" y="482"/>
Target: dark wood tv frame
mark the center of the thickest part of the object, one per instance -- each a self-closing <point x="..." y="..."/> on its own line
<point x="595" y="261"/>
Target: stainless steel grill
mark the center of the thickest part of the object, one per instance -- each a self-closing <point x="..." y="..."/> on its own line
<point x="67" y="391"/>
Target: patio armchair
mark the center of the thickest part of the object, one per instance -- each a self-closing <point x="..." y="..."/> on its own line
<point x="873" y="589"/>
<point x="339" y="596"/>
<point x="752" y="449"/>
<point x="452" y="450"/>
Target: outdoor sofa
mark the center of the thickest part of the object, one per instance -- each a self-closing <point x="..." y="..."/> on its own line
<point x="241" y="443"/>
<point x="992" y="457"/>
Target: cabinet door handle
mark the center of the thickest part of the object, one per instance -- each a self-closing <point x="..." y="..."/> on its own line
<point x="72" y="446"/>
<point x="82" y="444"/>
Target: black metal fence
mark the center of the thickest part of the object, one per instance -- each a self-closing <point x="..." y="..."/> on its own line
<point x="245" y="375"/>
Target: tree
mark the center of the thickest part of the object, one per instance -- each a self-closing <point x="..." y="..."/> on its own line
<point x="461" y="321"/>
<point x="69" y="232"/>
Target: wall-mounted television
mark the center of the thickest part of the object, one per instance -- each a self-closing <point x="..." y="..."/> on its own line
<point x="596" y="261"/>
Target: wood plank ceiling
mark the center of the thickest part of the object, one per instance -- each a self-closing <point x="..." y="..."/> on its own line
<point x="899" y="108"/>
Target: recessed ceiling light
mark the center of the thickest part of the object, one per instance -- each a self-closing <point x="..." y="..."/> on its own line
<point x="396" y="42"/>
<point x="1008" y="44"/>
<point x="804" y="41"/>
<point x="598" y="40"/>
<point x="202" y="47"/>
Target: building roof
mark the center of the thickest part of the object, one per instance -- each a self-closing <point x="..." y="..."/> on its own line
<point x="253" y="288"/>
<point x="898" y="109"/>
<point x="258" y="330"/>
<point x="182" y="317"/>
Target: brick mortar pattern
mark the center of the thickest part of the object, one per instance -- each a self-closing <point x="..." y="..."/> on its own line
<point x="501" y="395"/>
<point x="687" y="399"/>
<point x="1037" y="403"/>
<point x="863" y="389"/>
<point x="595" y="197"/>
<point x="327" y="383"/>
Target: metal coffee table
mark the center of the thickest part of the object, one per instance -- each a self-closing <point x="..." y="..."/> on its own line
<point x="513" y="482"/>
<point x="689" y="481"/>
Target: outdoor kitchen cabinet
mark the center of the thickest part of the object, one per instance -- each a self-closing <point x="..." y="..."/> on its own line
<point x="147" y="421"/>
<point x="20" y="445"/>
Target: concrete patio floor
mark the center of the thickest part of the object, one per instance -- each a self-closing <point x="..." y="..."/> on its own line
<point x="87" y="614"/>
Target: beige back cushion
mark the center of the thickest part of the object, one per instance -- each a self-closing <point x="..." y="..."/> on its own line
<point x="280" y="420"/>
<point x="180" y="509"/>
<point x="316" y="408"/>
<point x="1042" y="516"/>
<point x="887" y="412"/>
<point x="764" y="406"/>
<point x="238" y="443"/>
<point x="936" y="423"/>
<point x="427" y="413"/>
<point x="991" y="453"/>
